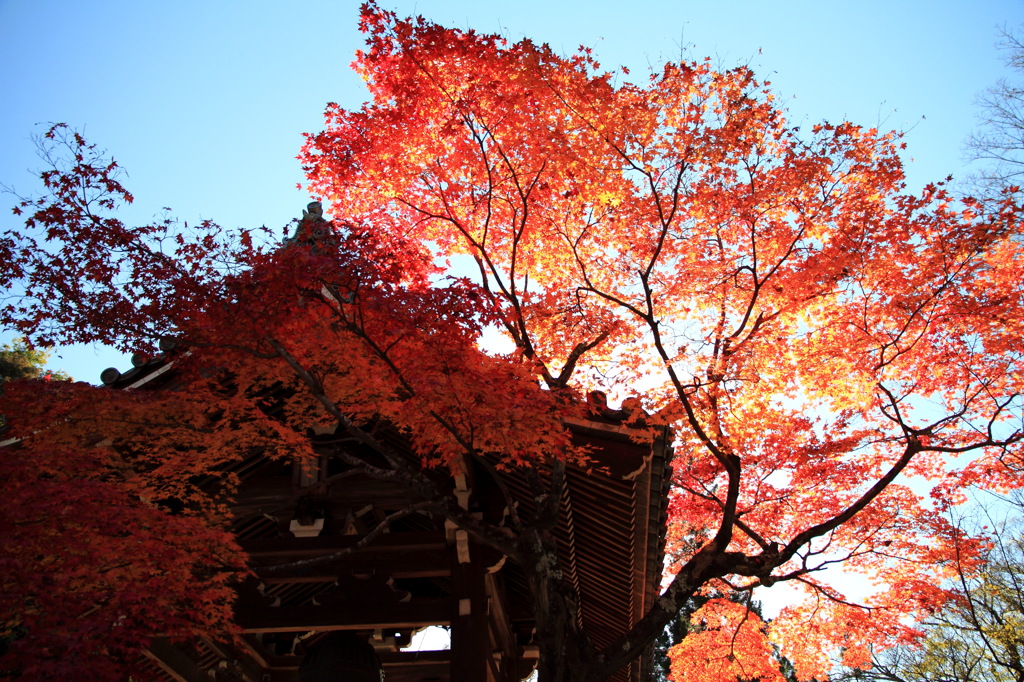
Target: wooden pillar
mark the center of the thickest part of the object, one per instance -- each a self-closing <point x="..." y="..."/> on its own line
<point x="471" y="648"/>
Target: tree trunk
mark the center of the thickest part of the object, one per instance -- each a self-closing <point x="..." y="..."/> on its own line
<point x="566" y="653"/>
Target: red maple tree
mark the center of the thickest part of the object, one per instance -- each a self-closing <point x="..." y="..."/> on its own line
<point x="812" y="334"/>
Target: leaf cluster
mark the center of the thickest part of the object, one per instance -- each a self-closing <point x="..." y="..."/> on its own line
<point x="809" y="331"/>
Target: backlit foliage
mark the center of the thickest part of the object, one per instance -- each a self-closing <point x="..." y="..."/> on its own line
<point x="726" y="642"/>
<point x="812" y="333"/>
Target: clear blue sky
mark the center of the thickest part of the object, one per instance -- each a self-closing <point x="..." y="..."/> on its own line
<point x="204" y="103"/>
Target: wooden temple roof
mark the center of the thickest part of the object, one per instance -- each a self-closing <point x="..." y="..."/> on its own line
<point x="421" y="573"/>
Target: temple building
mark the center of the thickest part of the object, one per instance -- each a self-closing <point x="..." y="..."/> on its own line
<point x="334" y="597"/>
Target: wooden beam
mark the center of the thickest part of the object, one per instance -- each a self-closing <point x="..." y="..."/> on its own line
<point x="413" y="614"/>
<point x="504" y="639"/>
<point x="262" y="548"/>
<point x="425" y="673"/>
<point x="254" y="648"/>
<point x="414" y="658"/>
<point x="429" y="563"/>
<point x="175" y="662"/>
<point x="260" y="493"/>
<point x="250" y="668"/>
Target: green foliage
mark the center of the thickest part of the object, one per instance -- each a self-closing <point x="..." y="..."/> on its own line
<point x="19" y="361"/>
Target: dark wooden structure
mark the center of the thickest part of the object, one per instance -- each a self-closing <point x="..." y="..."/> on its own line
<point x="422" y="572"/>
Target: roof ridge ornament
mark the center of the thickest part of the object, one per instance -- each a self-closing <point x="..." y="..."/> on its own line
<point x="312" y="226"/>
<point x="314" y="211"/>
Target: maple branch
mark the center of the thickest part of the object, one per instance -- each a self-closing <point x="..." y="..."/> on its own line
<point x="652" y="182"/>
<point x="522" y="337"/>
<point x="913" y="447"/>
<point x="739" y="626"/>
<point x="949" y="277"/>
<point x="489" y="194"/>
<point x="497" y="537"/>
<point x="562" y="380"/>
<point x="611" y="298"/>
<point x="399" y="470"/>
<point x="468" y="448"/>
<point x="500" y="538"/>
<point x="517" y="327"/>
<point x="729" y="462"/>
<point x="738" y="521"/>
<point x="708" y="563"/>
<point x="666" y="221"/>
<point x="831" y="595"/>
<point x="769" y="579"/>
<point x="930" y="429"/>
